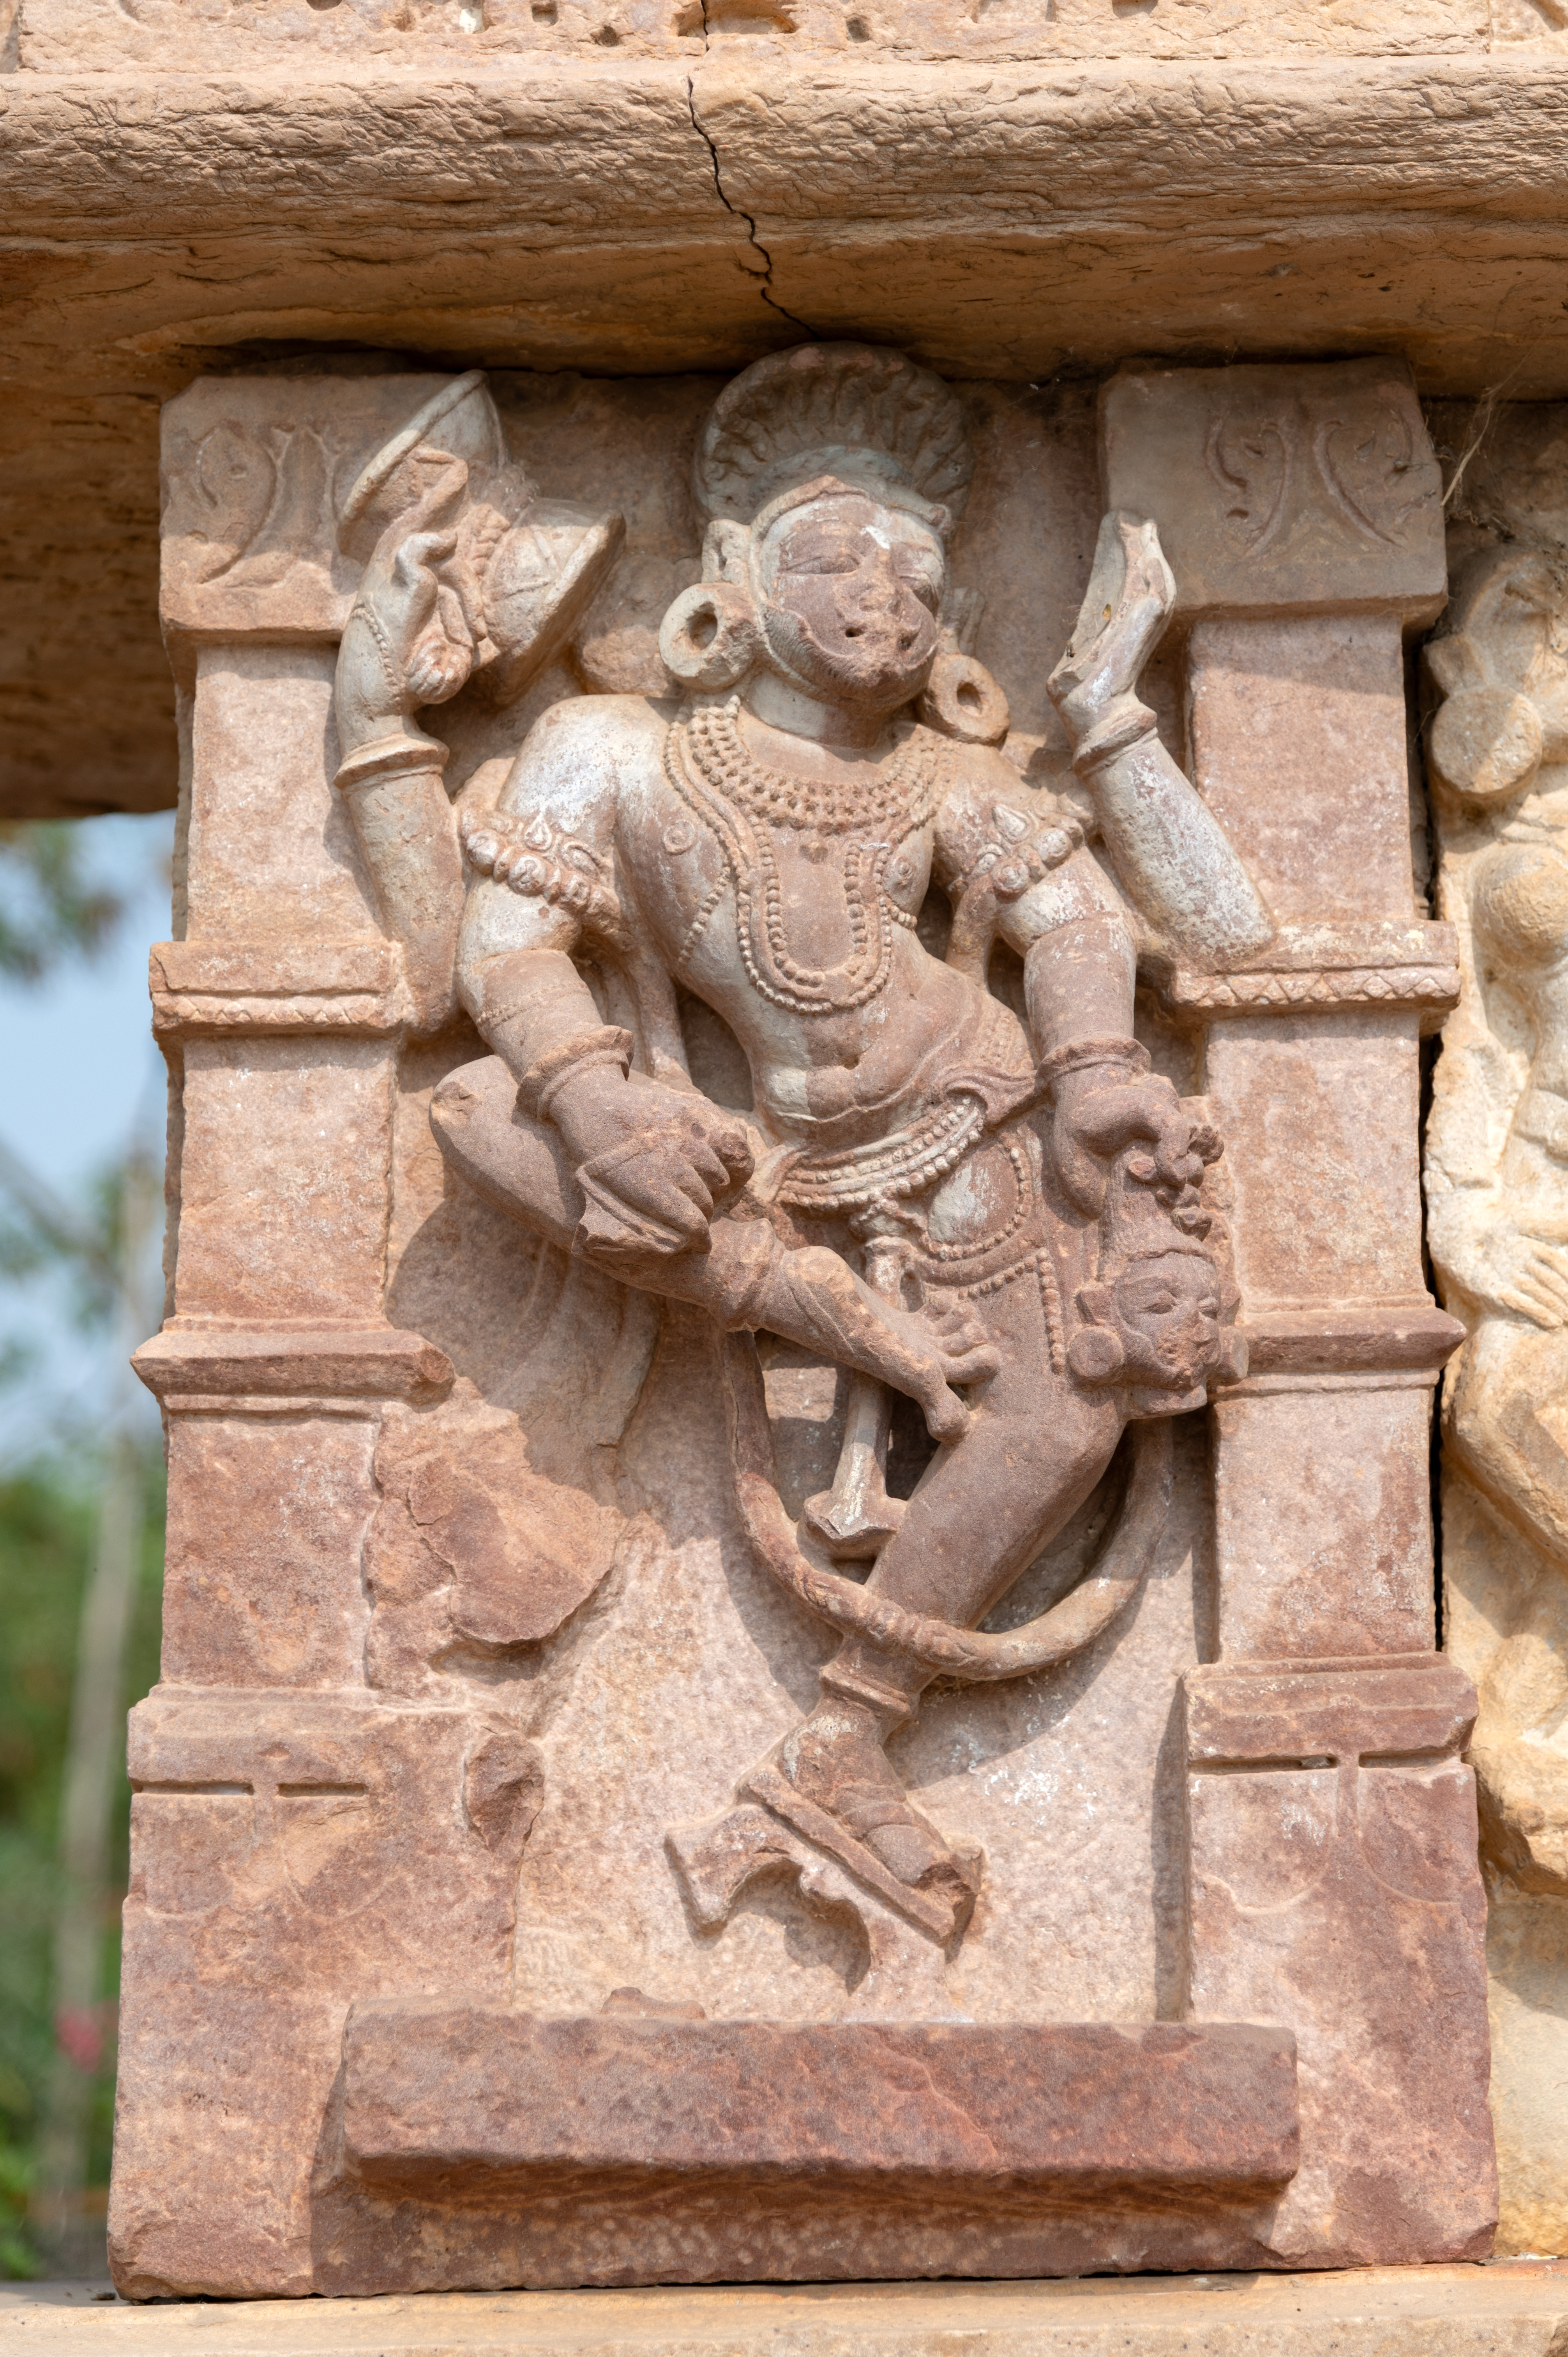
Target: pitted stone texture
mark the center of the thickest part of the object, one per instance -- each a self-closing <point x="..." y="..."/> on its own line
<point x="292" y="1849"/>
<point x="1328" y="691"/>
<point x="267" y="1526"/>
<point x="1333" y="1852"/>
<point x="86" y="35"/>
<point x="484" y="2102"/>
<point x="1324" y="1520"/>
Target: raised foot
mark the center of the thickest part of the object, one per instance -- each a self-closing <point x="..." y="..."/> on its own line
<point x="832" y="1779"/>
<point x="907" y="1936"/>
<point x="940" y="1903"/>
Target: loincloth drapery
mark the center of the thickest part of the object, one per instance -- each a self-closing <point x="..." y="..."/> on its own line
<point x="956" y="1204"/>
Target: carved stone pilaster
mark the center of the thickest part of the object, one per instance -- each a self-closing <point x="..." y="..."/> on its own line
<point x="1302" y="509"/>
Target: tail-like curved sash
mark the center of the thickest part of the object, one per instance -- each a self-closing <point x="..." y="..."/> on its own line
<point x="972" y="1654"/>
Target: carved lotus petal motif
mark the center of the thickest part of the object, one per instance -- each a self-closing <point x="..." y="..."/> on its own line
<point x="235" y="480"/>
<point x="268" y="495"/>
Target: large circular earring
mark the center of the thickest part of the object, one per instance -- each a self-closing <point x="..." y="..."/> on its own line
<point x="709" y="637"/>
<point x="962" y="700"/>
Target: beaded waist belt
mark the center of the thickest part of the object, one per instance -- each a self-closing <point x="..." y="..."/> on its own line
<point x="912" y="1158"/>
<point x="899" y="1165"/>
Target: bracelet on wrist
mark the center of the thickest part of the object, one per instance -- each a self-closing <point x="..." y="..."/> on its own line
<point x="1123" y="723"/>
<point x="1081" y="1055"/>
<point x="390" y="757"/>
<point x="537" y="1087"/>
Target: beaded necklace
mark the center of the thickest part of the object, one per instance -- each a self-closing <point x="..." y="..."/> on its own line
<point x="743" y="801"/>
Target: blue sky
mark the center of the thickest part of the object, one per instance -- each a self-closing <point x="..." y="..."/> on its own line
<point x="80" y="1076"/>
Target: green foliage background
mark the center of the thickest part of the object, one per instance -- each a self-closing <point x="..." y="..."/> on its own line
<point x="46" y="1543"/>
<point x="54" y="913"/>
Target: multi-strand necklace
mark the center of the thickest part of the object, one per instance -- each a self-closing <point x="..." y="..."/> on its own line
<point x="744" y="801"/>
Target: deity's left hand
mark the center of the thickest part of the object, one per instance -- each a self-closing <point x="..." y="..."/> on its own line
<point x="1097" y="1111"/>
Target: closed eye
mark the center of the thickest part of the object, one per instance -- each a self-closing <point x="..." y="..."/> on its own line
<point x="928" y="591"/>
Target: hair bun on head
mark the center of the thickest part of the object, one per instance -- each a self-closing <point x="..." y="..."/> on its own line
<point x="845" y="410"/>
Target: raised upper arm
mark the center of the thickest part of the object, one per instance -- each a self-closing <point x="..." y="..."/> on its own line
<point x="1021" y="849"/>
<point x="541" y="864"/>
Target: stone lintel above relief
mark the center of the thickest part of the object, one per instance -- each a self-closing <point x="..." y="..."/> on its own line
<point x="473" y="2099"/>
<point x="1289" y="490"/>
<point x="185" y="1363"/>
<point x="1309" y="1713"/>
<point x="349" y="988"/>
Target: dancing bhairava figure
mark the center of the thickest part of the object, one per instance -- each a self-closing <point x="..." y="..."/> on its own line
<point x="1000" y="1220"/>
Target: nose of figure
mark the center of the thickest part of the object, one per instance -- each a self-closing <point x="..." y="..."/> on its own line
<point x="882" y="603"/>
<point x="1203" y="1333"/>
<point x="1185" y="1336"/>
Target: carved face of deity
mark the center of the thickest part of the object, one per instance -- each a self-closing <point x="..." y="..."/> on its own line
<point x="850" y="591"/>
<point x="1168" y="1310"/>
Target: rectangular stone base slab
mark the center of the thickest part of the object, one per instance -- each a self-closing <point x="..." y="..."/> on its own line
<point x="482" y="2101"/>
<point x="1513" y="2309"/>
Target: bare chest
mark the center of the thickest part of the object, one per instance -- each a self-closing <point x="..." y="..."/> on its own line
<point x="796" y="891"/>
<point x="806" y="919"/>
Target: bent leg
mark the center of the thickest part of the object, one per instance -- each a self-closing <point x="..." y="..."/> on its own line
<point x="1035" y="1449"/>
<point x="520" y="1165"/>
<point x="748" y="1278"/>
<point x="991" y="1502"/>
<point x="978" y="1520"/>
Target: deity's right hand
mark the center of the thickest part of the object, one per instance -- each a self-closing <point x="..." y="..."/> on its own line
<point x="654" y="1163"/>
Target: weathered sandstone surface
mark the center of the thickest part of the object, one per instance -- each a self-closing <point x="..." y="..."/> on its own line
<point x="999" y="219"/>
<point x="851" y="690"/>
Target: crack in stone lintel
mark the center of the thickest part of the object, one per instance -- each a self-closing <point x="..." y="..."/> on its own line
<point x="764" y="276"/>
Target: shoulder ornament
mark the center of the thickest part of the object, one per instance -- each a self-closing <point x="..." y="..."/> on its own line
<point x="539" y="862"/>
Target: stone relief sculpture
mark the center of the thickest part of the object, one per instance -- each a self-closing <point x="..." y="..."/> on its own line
<point x="1498" y="1208"/>
<point x="1002" y="1219"/>
<point x="756" y="1506"/>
